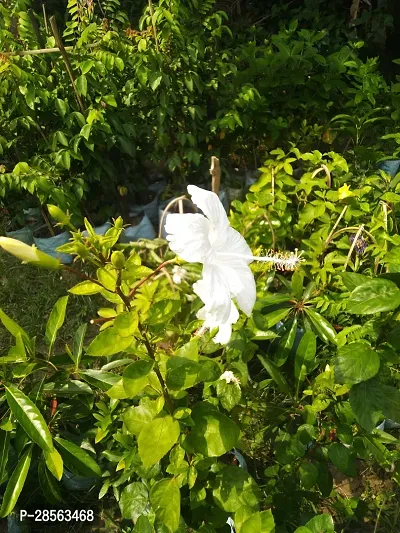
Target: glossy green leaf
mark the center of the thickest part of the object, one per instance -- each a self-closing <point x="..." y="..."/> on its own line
<point x="308" y="474"/>
<point x="260" y="522"/>
<point x="77" y="460"/>
<point x="374" y="296"/>
<point x="77" y="347"/>
<point x="86" y="288"/>
<point x="213" y="433"/>
<point x="108" y="342"/>
<point x="133" y="501"/>
<point x="12" y="326"/>
<point x="305" y="355"/>
<point x="81" y="85"/>
<point x="55" y="321"/>
<point x="16" y="483"/>
<point x="286" y="344"/>
<point x="342" y="459"/>
<point x="325" y="331"/>
<point x="165" y="499"/>
<point x="136" y="417"/>
<point x="234" y="488"/>
<point x="356" y="362"/>
<point x="30" y="418"/>
<point x="135" y="377"/>
<point x="275" y="373"/>
<point x="320" y="523"/>
<point x="54" y="463"/>
<point x="366" y="400"/>
<point x="157" y="438"/>
<point x="4" y="450"/>
<point x="50" y="488"/>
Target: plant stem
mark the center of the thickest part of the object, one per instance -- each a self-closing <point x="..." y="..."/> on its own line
<point x="143" y="281"/>
<point x="328" y="240"/>
<point x="353" y="244"/>
<point x="150" y="351"/>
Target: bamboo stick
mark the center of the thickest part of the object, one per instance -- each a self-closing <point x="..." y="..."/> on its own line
<point x="42" y="51"/>
<point x="66" y="61"/>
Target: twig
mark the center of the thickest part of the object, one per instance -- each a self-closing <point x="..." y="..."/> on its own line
<point x="328" y="240"/>
<point x="66" y="61"/>
<point x="272" y="230"/>
<point x="353" y="244"/>
<point x="215" y="171"/>
<point x="46" y="26"/>
<point x="327" y="172"/>
<point x="141" y="282"/>
<point x="40" y="51"/>
<point x="152" y="23"/>
<point x="165" y="212"/>
<point x="151" y="353"/>
<point x="49" y="226"/>
<point x="273" y="185"/>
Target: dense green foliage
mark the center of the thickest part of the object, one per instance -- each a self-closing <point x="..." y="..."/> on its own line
<point x="126" y="413"/>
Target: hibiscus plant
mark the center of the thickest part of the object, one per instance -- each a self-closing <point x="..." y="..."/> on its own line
<point x="181" y="414"/>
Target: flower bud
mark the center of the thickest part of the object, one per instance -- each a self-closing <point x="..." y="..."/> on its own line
<point x="29" y="254"/>
<point x="118" y="259"/>
<point x="58" y="215"/>
<point x="81" y="250"/>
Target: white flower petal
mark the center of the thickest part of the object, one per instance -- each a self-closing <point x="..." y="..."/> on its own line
<point x="216" y="292"/>
<point x="234" y="244"/>
<point x="246" y="298"/>
<point x="211" y="206"/>
<point x="224" y="334"/>
<point x="188" y="237"/>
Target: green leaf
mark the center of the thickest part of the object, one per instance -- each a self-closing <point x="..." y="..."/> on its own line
<point x="81" y="85"/>
<point x="213" y="433"/>
<point x="157" y="438"/>
<point x="304" y="360"/>
<point x="234" y="488"/>
<point x="342" y="459"/>
<point x="391" y="403"/>
<point x="108" y="342"/>
<point x="165" y="498"/>
<point x="56" y="320"/>
<point x="163" y="311"/>
<point x="77" y="347"/>
<point x="308" y="474"/>
<point x="77" y="460"/>
<point x="50" y="488"/>
<point x="229" y="394"/>
<point x="276" y="316"/>
<point x="275" y="373"/>
<point x="99" y="378"/>
<point x="286" y="344"/>
<point x="61" y="106"/>
<point x="182" y="373"/>
<point x="366" y="401"/>
<point x="135" y="377"/>
<point x="126" y="324"/>
<point x="86" y="288"/>
<point x="322" y="523"/>
<point x="325" y="331"/>
<point x="143" y="525"/>
<point x="133" y="501"/>
<point x="16" y="483"/>
<point x="135" y="418"/>
<point x="12" y="326"/>
<point x="352" y="280"/>
<point x="54" y="463"/>
<point x="155" y="80"/>
<point x="375" y="296"/>
<point x="356" y="362"/>
<point x="4" y="450"/>
<point x="297" y="284"/>
<point x="190" y="350"/>
<point x="260" y="522"/>
<point x="30" y="418"/>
